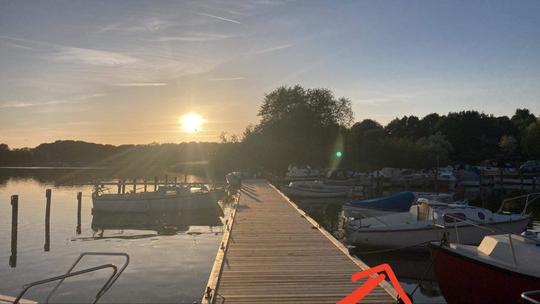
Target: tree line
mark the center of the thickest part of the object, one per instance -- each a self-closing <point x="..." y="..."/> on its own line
<point x="313" y="127"/>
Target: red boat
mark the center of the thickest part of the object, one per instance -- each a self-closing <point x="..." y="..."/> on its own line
<point x="499" y="270"/>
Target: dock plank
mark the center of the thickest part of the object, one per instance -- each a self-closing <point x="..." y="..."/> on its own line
<point x="275" y="253"/>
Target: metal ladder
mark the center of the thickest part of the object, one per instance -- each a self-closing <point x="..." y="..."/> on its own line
<point x="70" y="273"/>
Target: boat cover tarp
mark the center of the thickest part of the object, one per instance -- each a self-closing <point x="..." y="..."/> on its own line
<point x="400" y="202"/>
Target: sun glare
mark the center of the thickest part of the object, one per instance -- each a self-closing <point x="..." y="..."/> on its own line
<point x="191" y="122"/>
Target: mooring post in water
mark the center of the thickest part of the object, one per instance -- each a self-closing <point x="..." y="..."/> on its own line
<point x="480" y="182"/>
<point x="175" y="181"/>
<point x="155" y="183"/>
<point x="119" y="186"/>
<point x="185" y="178"/>
<point x="123" y="186"/>
<point x="14" y="228"/>
<point x="47" y="246"/>
<point x="166" y="179"/>
<point x="145" y="184"/>
<point x="134" y="185"/>
<point x="79" y="205"/>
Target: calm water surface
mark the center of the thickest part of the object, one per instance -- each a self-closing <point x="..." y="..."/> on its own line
<point x="171" y="254"/>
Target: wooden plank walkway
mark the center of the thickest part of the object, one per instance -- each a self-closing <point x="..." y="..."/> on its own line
<point x="275" y="253"/>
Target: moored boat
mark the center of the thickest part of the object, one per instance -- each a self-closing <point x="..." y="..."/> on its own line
<point x="499" y="270"/>
<point x="316" y="189"/>
<point x="166" y="198"/>
<point x="399" y="202"/>
<point x="430" y="220"/>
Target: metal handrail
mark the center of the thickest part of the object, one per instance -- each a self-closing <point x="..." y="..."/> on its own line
<point x="527" y="296"/>
<point x="528" y="201"/>
<point x="109" y="282"/>
<point x="67" y="275"/>
<point x="493" y="229"/>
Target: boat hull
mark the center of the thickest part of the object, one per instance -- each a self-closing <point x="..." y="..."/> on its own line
<point x="466" y="280"/>
<point x="194" y="201"/>
<point x="467" y="234"/>
<point x="293" y="192"/>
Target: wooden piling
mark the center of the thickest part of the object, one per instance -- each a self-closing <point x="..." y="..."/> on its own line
<point x="155" y="183"/>
<point x="47" y="245"/>
<point x="145" y="185"/>
<point x="134" y="185"/>
<point x="166" y="179"/>
<point x="175" y="181"/>
<point x="123" y="186"/>
<point x="14" y="230"/>
<point x="79" y="205"/>
<point x="119" y="186"/>
<point x="185" y="178"/>
<point x="481" y="180"/>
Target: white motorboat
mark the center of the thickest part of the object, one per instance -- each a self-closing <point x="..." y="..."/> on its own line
<point x="500" y="270"/>
<point x="428" y="221"/>
<point x="316" y="189"/>
<point x="299" y="173"/>
<point x="166" y="198"/>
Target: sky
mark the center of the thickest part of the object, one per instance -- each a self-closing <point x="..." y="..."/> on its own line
<point x="123" y="72"/>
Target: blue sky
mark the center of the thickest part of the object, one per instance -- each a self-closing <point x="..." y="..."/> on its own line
<point x="125" y="71"/>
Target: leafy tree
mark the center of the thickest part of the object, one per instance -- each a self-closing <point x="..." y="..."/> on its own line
<point x="299" y="126"/>
<point x="508" y="145"/>
<point x="522" y="119"/>
<point x="531" y="140"/>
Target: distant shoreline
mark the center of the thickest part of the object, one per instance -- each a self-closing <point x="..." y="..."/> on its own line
<point x="52" y="168"/>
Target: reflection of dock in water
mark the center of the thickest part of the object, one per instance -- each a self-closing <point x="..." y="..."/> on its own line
<point x="164" y="223"/>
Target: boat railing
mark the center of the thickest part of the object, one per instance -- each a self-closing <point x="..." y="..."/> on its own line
<point x="529" y="198"/>
<point x="528" y="296"/>
<point x="490" y="229"/>
<point x="465" y="220"/>
<point x="108" y="284"/>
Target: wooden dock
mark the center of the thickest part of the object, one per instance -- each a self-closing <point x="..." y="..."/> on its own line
<point x="272" y="252"/>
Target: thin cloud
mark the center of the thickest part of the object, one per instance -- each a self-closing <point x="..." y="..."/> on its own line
<point x="74" y="100"/>
<point x="141" y="84"/>
<point x="226" y="79"/>
<point x="194" y="37"/>
<point x="19" y="46"/>
<point x="93" y="57"/>
<point x="273" y="49"/>
<point x="25" y="104"/>
<point x="219" y="18"/>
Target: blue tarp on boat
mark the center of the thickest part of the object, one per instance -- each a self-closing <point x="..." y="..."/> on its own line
<point x="400" y="202"/>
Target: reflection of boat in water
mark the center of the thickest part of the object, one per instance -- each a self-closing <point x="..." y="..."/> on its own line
<point x="162" y="222"/>
<point x="166" y="198"/>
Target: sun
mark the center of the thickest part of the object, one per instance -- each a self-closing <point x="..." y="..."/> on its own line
<point x="191" y="122"/>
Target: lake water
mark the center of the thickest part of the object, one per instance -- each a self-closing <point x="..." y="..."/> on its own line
<point x="171" y="255"/>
